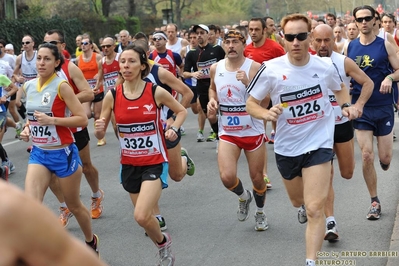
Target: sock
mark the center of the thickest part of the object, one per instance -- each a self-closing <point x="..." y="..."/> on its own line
<point x="375" y="199"/>
<point x="215" y="128"/>
<point x="96" y="195"/>
<point x="201" y="131"/>
<point x="310" y="262"/>
<point x="162" y="242"/>
<point x="158" y="216"/>
<point x="260" y="210"/>
<point x="330" y="219"/>
<point x="260" y="198"/>
<point x="238" y="189"/>
<point x="244" y="195"/>
<point x="63" y="204"/>
<point x="22" y="111"/>
<point x="92" y="242"/>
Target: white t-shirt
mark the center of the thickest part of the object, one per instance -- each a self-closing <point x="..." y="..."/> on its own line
<point x="307" y="121"/>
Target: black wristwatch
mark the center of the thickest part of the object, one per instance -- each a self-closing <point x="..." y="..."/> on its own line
<point x="345" y="105"/>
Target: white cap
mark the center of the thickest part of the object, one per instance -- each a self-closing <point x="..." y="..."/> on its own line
<point x="202" y="26"/>
<point x="9" y="47"/>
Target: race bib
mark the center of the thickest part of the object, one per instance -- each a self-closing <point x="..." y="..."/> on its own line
<point x="234" y="118"/>
<point x="300" y="107"/>
<point x="42" y="135"/>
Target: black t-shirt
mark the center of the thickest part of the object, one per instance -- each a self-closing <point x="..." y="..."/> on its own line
<point x="201" y="59"/>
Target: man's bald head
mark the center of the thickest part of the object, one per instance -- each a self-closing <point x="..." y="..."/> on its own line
<point x="323" y="40"/>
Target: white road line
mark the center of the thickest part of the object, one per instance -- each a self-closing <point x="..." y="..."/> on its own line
<point x="10" y="143"/>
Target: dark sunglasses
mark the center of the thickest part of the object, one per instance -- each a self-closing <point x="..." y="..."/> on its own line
<point x="300" y="36"/>
<point x="367" y="19"/>
<point x="85" y="43"/>
<point x="52" y="42"/>
<point x="25" y="43"/>
<point x="157" y="39"/>
<point x="106" y="46"/>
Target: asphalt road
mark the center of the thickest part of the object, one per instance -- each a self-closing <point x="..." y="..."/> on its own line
<point x="201" y="214"/>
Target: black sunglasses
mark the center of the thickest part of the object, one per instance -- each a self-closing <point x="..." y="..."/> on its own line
<point x="157" y="39"/>
<point x="52" y="42"/>
<point x="367" y="19"/>
<point x="300" y="36"/>
<point x="25" y="43"/>
<point x="106" y="46"/>
<point x="85" y="43"/>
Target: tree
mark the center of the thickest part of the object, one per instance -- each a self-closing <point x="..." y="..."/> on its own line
<point x="106" y="7"/>
<point x="132" y="8"/>
<point x="179" y="7"/>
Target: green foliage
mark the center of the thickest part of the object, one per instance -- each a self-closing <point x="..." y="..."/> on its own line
<point x="12" y="31"/>
<point x="34" y="11"/>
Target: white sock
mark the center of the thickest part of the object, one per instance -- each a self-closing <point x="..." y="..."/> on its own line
<point x="63" y="205"/>
<point x="260" y="210"/>
<point x="96" y="195"/>
<point x="244" y="196"/>
<point x="310" y="262"/>
<point x="330" y="219"/>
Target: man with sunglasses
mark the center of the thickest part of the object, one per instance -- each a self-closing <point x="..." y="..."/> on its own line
<point x="378" y="59"/>
<point x="71" y="73"/>
<point x="298" y="85"/>
<point x="323" y="42"/>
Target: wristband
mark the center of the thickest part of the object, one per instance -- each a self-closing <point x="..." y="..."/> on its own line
<point x="389" y="77"/>
<point x="175" y="129"/>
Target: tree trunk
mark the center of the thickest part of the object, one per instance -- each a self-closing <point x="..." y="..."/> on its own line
<point x="132" y="8"/>
<point x="106" y="7"/>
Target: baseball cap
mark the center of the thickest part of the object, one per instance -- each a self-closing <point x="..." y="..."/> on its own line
<point x="202" y="26"/>
<point x="9" y="47"/>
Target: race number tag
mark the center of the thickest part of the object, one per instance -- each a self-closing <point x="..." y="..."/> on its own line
<point x="234" y="118"/>
<point x="42" y="135"/>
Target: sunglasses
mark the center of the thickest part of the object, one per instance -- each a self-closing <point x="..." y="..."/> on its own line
<point x="299" y="36"/>
<point x="85" y="43"/>
<point x="367" y="19"/>
<point x="52" y="42"/>
<point x="157" y="39"/>
<point x="25" y="43"/>
<point x="106" y="46"/>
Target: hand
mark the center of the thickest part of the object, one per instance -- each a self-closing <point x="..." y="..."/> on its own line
<point x="242" y="76"/>
<point x="25" y="134"/>
<point x="212" y="106"/>
<point x="274" y="112"/>
<point x="170" y="134"/>
<point x="43" y="119"/>
<point x="386" y="86"/>
<point x="99" y="124"/>
<point x="197" y="74"/>
<point x="351" y="112"/>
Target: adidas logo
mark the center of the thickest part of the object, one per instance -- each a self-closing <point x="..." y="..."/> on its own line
<point x="388" y="124"/>
<point x="315" y="76"/>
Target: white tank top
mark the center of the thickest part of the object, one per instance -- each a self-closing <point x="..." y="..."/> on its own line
<point x="339" y="61"/>
<point x="28" y="67"/>
<point x="176" y="48"/>
<point x="232" y="95"/>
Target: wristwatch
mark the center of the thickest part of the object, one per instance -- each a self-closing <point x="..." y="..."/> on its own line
<point x="175" y="129"/>
<point x="345" y="105"/>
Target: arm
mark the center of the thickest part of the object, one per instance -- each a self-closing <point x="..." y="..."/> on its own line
<point x="343" y="97"/>
<point x="79" y="118"/>
<point x="213" y="98"/>
<point x="386" y="84"/>
<point x="98" y="76"/>
<point x="100" y="126"/>
<point x="169" y="79"/>
<point x="189" y="63"/>
<point x="163" y="97"/>
<point x="85" y="94"/>
<point x="16" y="77"/>
<point x="255" y="110"/>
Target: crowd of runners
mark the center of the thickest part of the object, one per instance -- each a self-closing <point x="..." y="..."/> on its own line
<point x="325" y="81"/>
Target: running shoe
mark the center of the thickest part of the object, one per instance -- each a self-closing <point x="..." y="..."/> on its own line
<point x="267" y="181"/>
<point x="10" y="165"/>
<point x="166" y="258"/>
<point x="182" y="131"/>
<point x="212" y="137"/>
<point x="162" y="223"/>
<point x="261" y="221"/>
<point x="18" y="129"/>
<point x="200" y="137"/>
<point x="302" y="218"/>
<point x="101" y="142"/>
<point x="190" y="162"/>
<point x="65" y="215"/>
<point x="4" y="172"/>
<point x="96" y="206"/>
<point x="375" y="211"/>
<point x="331" y="232"/>
<point x="384" y="167"/>
<point x="95" y="244"/>
<point x="243" y="207"/>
